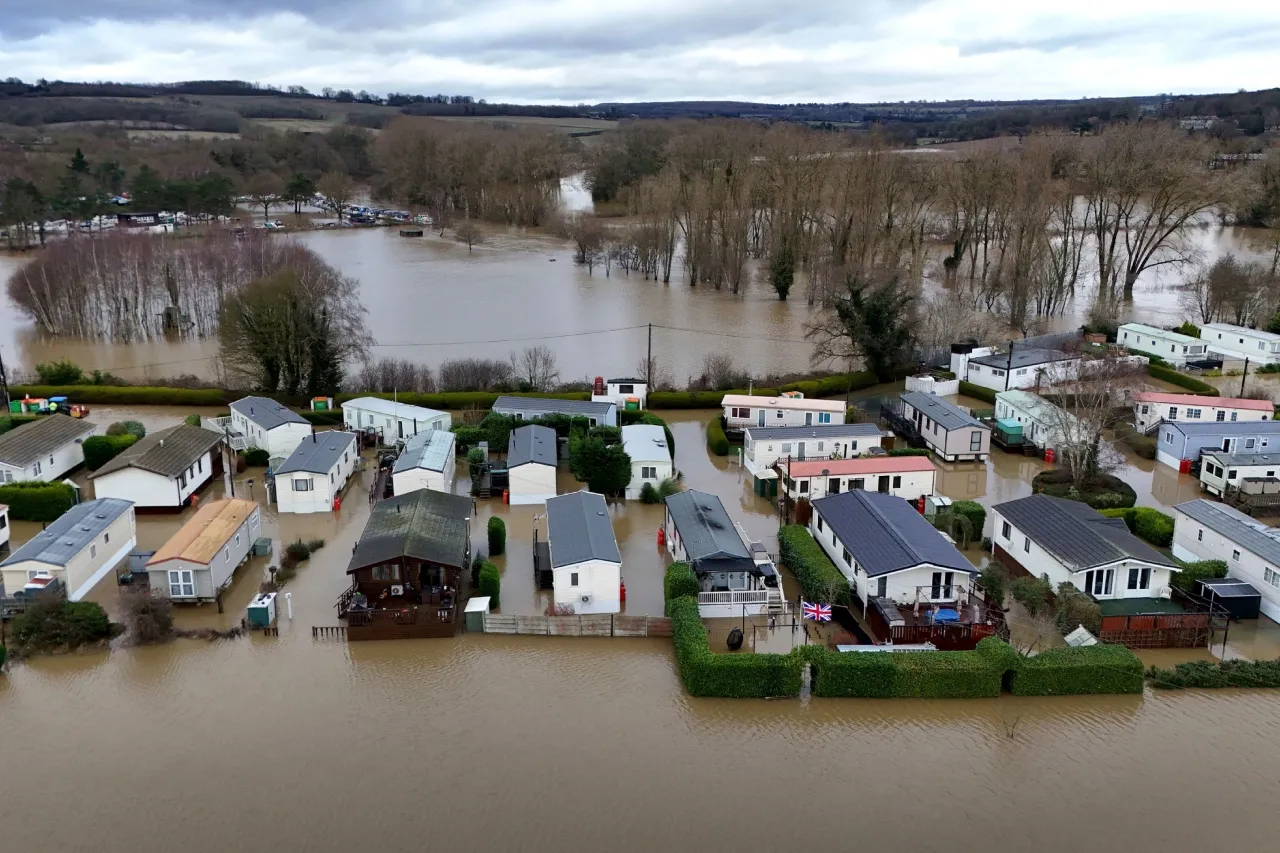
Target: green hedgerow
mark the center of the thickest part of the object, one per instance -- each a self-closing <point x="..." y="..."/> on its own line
<point x="679" y="581"/>
<point x="257" y="457"/>
<point x="717" y="442"/>
<point x="101" y="449"/>
<point x="490" y="584"/>
<point x="497" y="530"/>
<point x="1078" y="671"/>
<point x="818" y="576"/>
<point x="36" y="500"/>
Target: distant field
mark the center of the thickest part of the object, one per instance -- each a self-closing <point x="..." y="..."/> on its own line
<point x="180" y="134"/>
<point x="567" y="125"/>
<point x="300" y="124"/>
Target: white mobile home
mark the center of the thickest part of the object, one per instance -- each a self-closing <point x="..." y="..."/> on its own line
<point x="201" y="558"/>
<point x="748" y="410"/>
<point x="315" y="474"/>
<point x="1240" y="342"/>
<point x="1180" y="444"/>
<point x="624" y="393"/>
<point x="1025" y="367"/>
<point x="531" y="464"/>
<point x="646" y="444"/>
<point x="585" y="562"/>
<point x="80" y="548"/>
<point x="763" y="446"/>
<point x="1043" y="424"/>
<point x="1204" y="530"/>
<point x="4" y="529"/>
<point x="1221" y="472"/>
<point x="1152" y="407"/>
<point x="597" y="412"/>
<point x="948" y="430"/>
<point x="428" y="461"/>
<point x="163" y="470"/>
<point x="1068" y="541"/>
<point x="45" y="449"/>
<point x="906" y="477"/>
<point x="1174" y="347"/>
<point x="393" y="421"/>
<point x="269" y="425"/>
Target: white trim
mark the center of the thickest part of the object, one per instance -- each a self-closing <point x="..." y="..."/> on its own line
<point x="107" y="566"/>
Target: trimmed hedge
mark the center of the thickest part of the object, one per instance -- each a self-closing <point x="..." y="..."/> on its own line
<point x="1078" y="671"/>
<point x="679" y="581"/>
<point x="497" y="530"/>
<point x="907" y="675"/>
<point x="1185" y="579"/>
<point x="810" y="564"/>
<point x="974" y="511"/>
<point x="34" y="500"/>
<point x="256" y="456"/>
<point x="1168" y="374"/>
<point x="490" y="584"/>
<point x="1150" y="525"/>
<point x="1208" y="675"/>
<point x="978" y="392"/>
<point x="328" y="417"/>
<point x="717" y="442"/>
<point x="101" y="449"/>
<point x="140" y="395"/>
<point x="909" y="451"/>
<point x="9" y="422"/>
<point x="737" y="676"/>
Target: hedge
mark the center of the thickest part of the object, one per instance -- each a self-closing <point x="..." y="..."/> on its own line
<point x="1185" y="578"/>
<point x="810" y="564"/>
<point x="907" y="675"/>
<point x="1168" y="374"/>
<point x="327" y="417"/>
<point x="1056" y="482"/>
<point x="101" y="449"/>
<point x="978" y="392"/>
<point x="490" y="584"/>
<point x="737" y="676"/>
<point x="717" y="442"/>
<point x="497" y="531"/>
<point x="974" y="511"/>
<point x="1150" y="525"/>
<point x="1205" y="674"/>
<point x="1077" y="671"/>
<point x="8" y="422"/>
<point x="909" y="451"/>
<point x="679" y="581"/>
<point x="256" y="456"/>
<point x="830" y="386"/>
<point x="131" y="394"/>
<point x="34" y="500"/>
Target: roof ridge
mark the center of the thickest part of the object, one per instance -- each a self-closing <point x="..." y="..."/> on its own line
<point x="888" y="525"/>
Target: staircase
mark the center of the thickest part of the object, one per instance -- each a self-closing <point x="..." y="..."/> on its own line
<point x="235" y="440"/>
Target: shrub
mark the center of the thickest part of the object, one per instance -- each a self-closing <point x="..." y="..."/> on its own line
<point x="1077" y="671"/>
<point x="191" y="420"/>
<point x="1185" y="579"/>
<point x="323" y="418"/>
<point x="466" y="437"/>
<point x="133" y="428"/>
<point x="717" y="442"/>
<point x="1153" y="526"/>
<point x="995" y="580"/>
<point x="1188" y="328"/>
<point x="63" y="372"/>
<point x="497" y="536"/>
<point x="909" y="451"/>
<point x="705" y="673"/>
<point x="649" y="494"/>
<point x="1143" y="445"/>
<point x="314" y="545"/>
<point x="8" y="422"/>
<point x="298" y="550"/>
<point x="972" y="510"/>
<point x="1103" y="492"/>
<point x="1073" y="608"/>
<point x="34" y="500"/>
<point x="1031" y="593"/>
<point x="818" y="576"/>
<point x="256" y="457"/>
<point x="490" y="584"/>
<point x="978" y="392"/>
<point x="1207" y="675"/>
<point x="53" y="623"/>
<point x="1182" y="380"/>
<point x="101" y="449"/>
<point x="910" y="675"/>
<point x="697" y="399"/>
<point x="149" y="619"/>
<point x="288" y="563"/>
<point x="605" y="468"/>
<point x="679" y="581"/>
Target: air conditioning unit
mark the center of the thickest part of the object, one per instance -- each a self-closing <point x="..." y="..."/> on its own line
<point x="397" y="589"/>
<point x="586" y="599"/>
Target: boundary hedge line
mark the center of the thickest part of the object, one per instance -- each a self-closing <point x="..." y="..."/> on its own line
<point x="678" y="582"/>
<point x="137" y="395"/>
<point x="1203" y="674"/>
<point x="978" y="674"/>
<point x="490" y="584"/>
<point x="1150" y="525"/>
<point x="101" y="449"/>
<point x="978" y="392"/>
<point x="1185" y="578"/>
<point x="736" y="676"/>
<point x="810" y="564"/>
<point x="35" y="500"/>
<point x="9" y="422"/>
<point x="1078" y="671"/>
<point x="1168" y="374"/>
<point x="717" y="441"/>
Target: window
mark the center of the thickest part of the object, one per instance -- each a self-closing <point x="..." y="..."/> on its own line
<point x="1173" y="413"/>
<point x="387" y="572"/>
<point x="853" y="446"/>
<point x="626" y="389"/>
<point x="975" y="440"/>
<point x="858" y="483"/>
<point x="804" y="486"/>
<point x="740" y="412"/>
<point x="1234" y="415"/>
<point x="824" y="417"/>
<point x="93" y="551"/>
<point x="1200" y="535"/>
<point x="1271" y="577"/>
<point x="200" y="465"/>
<point x="780" y="415"/>
<point x="50" y="458"/>
<point x="1168" y="438"/>
<point x="37" y="468"/>
<point x="573" y="579"/>
<point x="237" y="538"/>
<point x="182" y="481"/>
<point x="648" y="472"/>
<point x="1264" y="443"/>
<point x="1026" y="544"/>
<point x="1021" y="372"/>
<point x="1231" y="473"/>
<point x="997" y="372"/>
<point x="344" y="456"/>
<point x="302" y="485"/>
<point x="1193" y="414"/>
<point x="181" y="584"/>
<point x="786" y="447"/>
<point x="1099" y="582"/>
<point x="106" y="537"/>
<point x="844" y="554"/>
<point x="1221" y="416"/>
<point x="1235" y="555"/>
<point x="1144" y="408"/>
<point x="1249" y="443"/>
<point x="819" y="446"/>
<point x="819" y="522"/>
<point x="1139" y="578"/>
<point x="897" y="481"/>
<point x="1005" y="530"/>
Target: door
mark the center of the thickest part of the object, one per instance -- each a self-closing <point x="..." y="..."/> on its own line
<point x="760" y="418"/>
<point x="833" y="486"/>
<point x="800" y="450"/>
<point x="883" y="485"/>
<point x="1099" y="582"/>
<point x="808" y="418"/>
<point x="399" y="428"/>
<point x="940" y="590"/>
<point x="882" y="587"/>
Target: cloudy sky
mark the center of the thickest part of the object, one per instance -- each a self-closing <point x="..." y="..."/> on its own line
<point x="573" y="51"/>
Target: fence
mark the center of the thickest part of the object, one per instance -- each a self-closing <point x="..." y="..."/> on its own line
<point x="605" y="625"/>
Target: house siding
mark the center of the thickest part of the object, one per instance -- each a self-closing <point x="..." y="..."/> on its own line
<point x="280" y="441"/>
<point x="1157" y="412"/>
<point x="599" y="579"/>
<point x="952" y="445"/>
<point x="760" y="454"/>
<point x="52" y="466"/>
<point x="1170" y="346"/>
<point x="1250" y="568"/>
<point x="391" y="428"/>
<point x="912" y="485"/>
<point x="319" y="498"/>
<point x="664" y="470"/>
<point x="532" y="483"/>
<point x="1239" y="342"/>
<point x="83" y="571"/>
<point x="1173" y="446"/>
<point x="211" y="577"/>
<point x="776" y="417"/>
<point x="148" y="490"/>
<point x="1049" y="373"/>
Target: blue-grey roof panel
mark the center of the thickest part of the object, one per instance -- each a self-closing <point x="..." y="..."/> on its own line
<point x="267" y="413"/>
<point x="71" y="532"/>
<point x="579" y="529"/>
<point x="428" y="449"/>
<point x="507" y="405"/>
<point x="817" y="431"/>
<point x="707" y="532"/>
<point x="1228" y="428"/>
<point x="319" y="453"/>
<point x="947" y="415"/>
<point x="1235" y="526"/>
<point x="532" y="443"/>
<point x="885" y="534"/>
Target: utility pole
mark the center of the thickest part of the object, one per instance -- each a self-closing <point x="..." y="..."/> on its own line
<point x="1243" y="376"/>
<point x="648" y="365"/>
<point x="4" y="384"/>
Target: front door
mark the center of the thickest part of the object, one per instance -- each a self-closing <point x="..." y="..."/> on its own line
<point x="833" y="486"/>
<point x="1228" y="445"/>
<point x="400" y="428"/>
<point x="882" y="587"/>
<point x="800" y="450"/>
<point x="883" y="486"/>
<point x="808" y="418"/>
<point x="1099" y="583"/>
<point x="760" y="418"/>
<point x="941" y="587"/>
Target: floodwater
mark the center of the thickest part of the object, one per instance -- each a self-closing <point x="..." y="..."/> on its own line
<point x="549" y="744"/>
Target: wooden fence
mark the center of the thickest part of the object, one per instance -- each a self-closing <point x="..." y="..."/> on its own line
<point x="605" y="625"/>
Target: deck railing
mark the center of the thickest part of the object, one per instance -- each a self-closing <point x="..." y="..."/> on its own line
<point x="751" y="596"/>
<point x="235" y="439"/>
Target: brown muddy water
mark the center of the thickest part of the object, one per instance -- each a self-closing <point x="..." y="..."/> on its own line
<point x="551" y="744"/>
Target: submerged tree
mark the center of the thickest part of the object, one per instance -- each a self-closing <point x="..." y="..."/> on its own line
<point x="869" y="323"/>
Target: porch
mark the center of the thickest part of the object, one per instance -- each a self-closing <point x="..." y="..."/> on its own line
<point x="235" y="439"/>
<point x="399" y="617"/>
<point x="751" y="602"/>
<point x="956" y="620"/>
<point x="1185" y="621"/>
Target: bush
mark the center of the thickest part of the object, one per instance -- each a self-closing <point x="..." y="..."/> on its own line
<point x="298" y="550"/>
<point x="1103" y="492"/>
<point x="314" y="545"/>
<point x="1188" y="328"/>
<point x="717" y="442"/>
<point x="329" y="417"/>
<point x="1185" y="579"/>
<point x="909" y="451"/>
<point x="649" y="494"/>
<point x="978" y="392"/>
<point x="34" y="500"/>
<point x="191" y="420"/>
<point x="64" y="372"/>
<point x="257" y="457"/>
<point x="1208" y="675"/>
<point x="497" y="536"/>
<point x="679" y="581"/>
<point x="1168" y="374"/>
<point x="911" y="675"/>
<point x="1073" y="608"/>
<point x="1031" y="593"/>
<point x="54" y="623"/>
<point x="972" y="510"/>
<point x="489" y="582"/>
<point x="466" y="437"/>
<point x="9" y="422"/>
<point x="149" y="619"/>
<point x="705" y="673"/>
<point x="605" y="468"/>
<point x="133" y="428"/>
<point x="1078" y="671"/>
<point x="995" y="581"/>
<point x="805" y="558"/>
<point x="698" y="399"/>
<point x="1150" y="525"/>
<point x="101" y="449"/>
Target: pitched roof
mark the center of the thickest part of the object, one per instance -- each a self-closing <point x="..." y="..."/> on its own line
<point x="71" y="533"/>
<point x="25" y="444"/>
<point x="885" y="534"/>
<point x="507" y="405"/>
<point x="579" y="529"/>
<point x="422" y="524"/>
<point x="1024" y="357"/>
<point x="759" y="401"/>
<point x="818" y="431"/>
<point x="428" y="449"/>
<point x="1207" y="402"/>
<point x="320" y="454"/>
<point x="646" y="443"/>
<point x="1238" y="330"/>
<point x="1035" y="406"/>
<point x="532" y="443"/>
<point x="167" y="452"/>
<point x="1167" y="334"/>
<point x="1076" y="534"/>
<point x="204" y="534"/>
<point x="858" y="465"/>
<point x="1228" y="428"/>
<point x="267" y="413"/>
<point x="947" y="415"/>
<point x="709" y="538"/>
<point x="1253" y="536"/>
<point x="393" y="409"/>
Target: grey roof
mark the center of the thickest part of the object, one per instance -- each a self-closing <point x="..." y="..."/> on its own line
<point x="428" y="449"/>
<point x="267" y="413"/>
<point x="885" y="534"/>
<point x="422" y="524"/>
<point x="1227" y="428"/>
<point x="1023" y="357"/>
<point x="319" y="454"/>
<point x="532" y="443"/>
<point x="579" y="529"/>
<point x="789" y="433"/>
<point x="25" y="444"/>
<point x="71" y="532"/>
<point x="1244" y="459"/>
<point x="1076" y="533"/>
<point x="624" y="379"/>
<point x="506" y="405"/>
<point x="1234" y="525"/>
<point x="947" y="415"/>
<point x="710" y="540"/>
<point x="167" y="452"/>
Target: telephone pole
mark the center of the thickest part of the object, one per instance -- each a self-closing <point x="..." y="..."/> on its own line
<point x="4" y="384"/>
<point x="648" y="365"/>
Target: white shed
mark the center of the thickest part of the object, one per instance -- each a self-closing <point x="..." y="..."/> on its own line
<point x="646" y="444"/>
<point x="161" y="471"/>
<point x="45" y="449"/>
<point x="394" y="421"/>
<point x="428" y="461"/>
<point x="585" y="562"/>
<point x="531" y="464"/>
<point x="201" y="558"/>
<point x="269" y="425"/>
<point x="80" y="548"/>
<point x="317" y="472"/>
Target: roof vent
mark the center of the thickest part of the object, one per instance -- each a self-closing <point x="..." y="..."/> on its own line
<point x="162" y="442"/>
<point x="99" y="515"/>
<point x="86" y="528"/>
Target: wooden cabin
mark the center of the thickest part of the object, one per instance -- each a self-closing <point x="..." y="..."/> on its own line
<point x="410" y="571"/>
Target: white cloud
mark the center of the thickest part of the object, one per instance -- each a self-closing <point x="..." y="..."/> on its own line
<point x="583" y="50"/>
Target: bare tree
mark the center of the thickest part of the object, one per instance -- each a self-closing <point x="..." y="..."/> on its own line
<point x="265" y="190"/>
<point x="337" y="189"/>
<point x="719" y="373"/>
<point x="1091" y="401"/>
<point x="536" y="366"/>
<point x="468" y="232"/>
<point x="655" y="374"/>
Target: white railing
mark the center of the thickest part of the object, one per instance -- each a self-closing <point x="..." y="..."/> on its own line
<point x="753" y="596"/>
<point x="235" y="439"/>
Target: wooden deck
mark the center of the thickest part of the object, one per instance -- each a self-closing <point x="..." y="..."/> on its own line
<point x="414" y="622"/>
<point x="977" y="622"/>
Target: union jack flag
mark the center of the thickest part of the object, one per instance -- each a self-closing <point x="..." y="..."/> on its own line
<point x="816" y="612"/>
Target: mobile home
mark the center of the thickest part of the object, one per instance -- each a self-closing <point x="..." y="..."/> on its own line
<point x="597" y="412"/>
<point x="531" y="464"/>
<point x="585" y="562"/>
<point x="201" y="558"/>
<point x="1174" y="347"/>
<point x="1205" y="530"/>
<point x="948" y="430"/>
<point x="393" y="421"/>
<point x="646" y="444"/>
<point x="44" y="449"/>
<point x="1180" y="444"/>
<point x="163" y="470"/>
<point x="907" y="477"/>
<point x="79" y="548"/>
<point x="1240" y="342"/>
<point x="317" y="471"/>
<point x="1152" y="407"/>
<point x="746" y="410"/>
<point x="268" y="425"/>
<point x="428" y="461"/>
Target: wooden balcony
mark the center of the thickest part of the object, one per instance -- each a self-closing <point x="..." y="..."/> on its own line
<point x="410" y="623"/>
